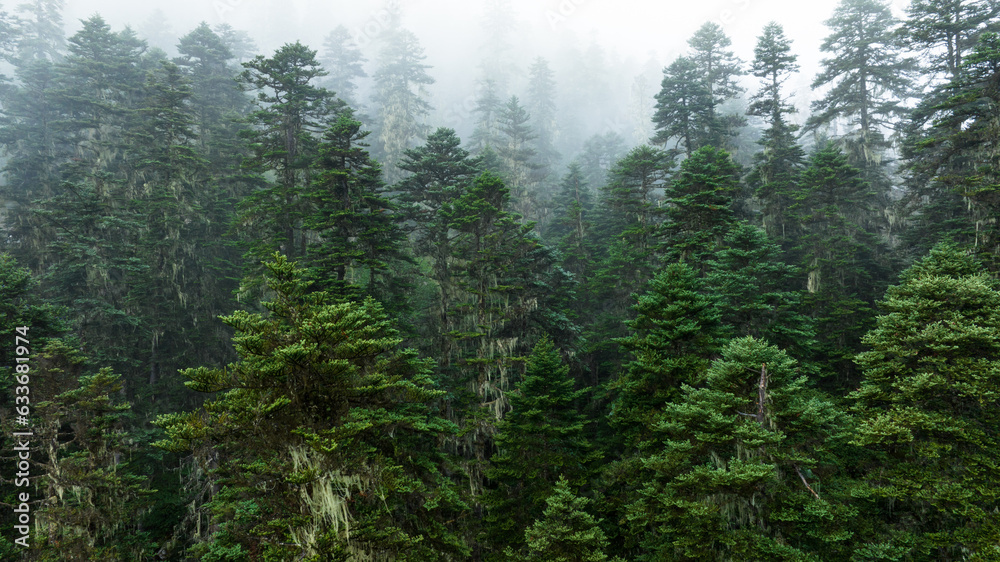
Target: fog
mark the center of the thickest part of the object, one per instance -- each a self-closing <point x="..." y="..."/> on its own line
<point x="614" y="41"/>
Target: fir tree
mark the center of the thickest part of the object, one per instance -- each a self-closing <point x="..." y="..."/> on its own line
<point x="400" y="99"/>
<point x="566" y="533"/>
<point x="327" y="413"/>
<point x="343" y="61"/>
<point x="540" y="442"/>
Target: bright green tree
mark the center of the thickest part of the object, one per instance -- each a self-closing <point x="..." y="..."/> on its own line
<point x="741" y="466"/>
<point x="566" y="532"/>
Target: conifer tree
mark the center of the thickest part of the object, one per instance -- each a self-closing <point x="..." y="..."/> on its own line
<point x="927" y="406"/>
<point x="343" y="61"/>
<point x="324" y="411"/>
<point x="540" y="442"/>
<point x="566" y="533"/>
<point x="719" y="68"/>
<point x="742" y="466"/>
<point x="291" y="112"/>
<point x="488" y="106"/>
<point x="570" y="226"/>
<point x="683" y="106"/>
<point x="400" y="100"/>
<point x="754" y="290"/>
<point x="515" y="147"/>
<point x="541" y="105"/>
<point x="701" y="206"/>
<point x="359" y="235"/>
<point x="843" y="262"/>
<point x="870" y="79"/>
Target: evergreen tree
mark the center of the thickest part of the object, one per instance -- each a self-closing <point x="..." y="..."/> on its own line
<point x="944" y="32"/>
<point x="324" y="411"/>
<point x="487" y="129"/>
<point x="719" y="68"/>
<point x="40" y="31"/>
<point x="700" y="210"/>
<point x="870" y="79"/>
<point x="517" y="157"/>
<point x="675" y="333"/>
<point x="400" y="99"/>
<point x="737" y="466"/>
<point x="541" y="105"/>
<point x="843" y="262"/>
<point x="752" y="285"/>
<point x="343" y="61"/>
<point x="775" y="169"/>
<point x="540" y="442"/>
<point x="570" y="226"/>
<point x="359" y="235"/>
<point x="927" y="406"/>
<point x="94" y="498"/>
<point x="952" y="161"/>
<point x="683" y="106"/>
<point x="438" y="173"/>
<point x="291" y="112"/>
<point x="566" y="533"/>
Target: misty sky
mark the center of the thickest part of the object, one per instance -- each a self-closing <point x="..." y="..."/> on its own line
<point x="638" y="35"/>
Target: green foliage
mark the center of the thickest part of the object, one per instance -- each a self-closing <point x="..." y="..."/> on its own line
<point x="325" y="413"/>
<point x="740" y="466"/>
<point x="566" y="533"/>
<point x="539" y="440"/>
<point x="927" y="405"/>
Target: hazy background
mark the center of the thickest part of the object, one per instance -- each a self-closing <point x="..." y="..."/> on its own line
<point x="597" y="48"/>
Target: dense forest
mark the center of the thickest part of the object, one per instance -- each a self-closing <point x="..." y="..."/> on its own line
<point x="259" y="306"/>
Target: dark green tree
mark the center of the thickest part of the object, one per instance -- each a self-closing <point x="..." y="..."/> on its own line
<point x="683" y="106"/>
<point x="870" y="80"/>
<point x="539" y="442"/>
<point x="291" y="112"/>
<point x="700" y="208"/>
<point x="927" y="406"/>
<point x="325" y="412"/>
<point x="742" y="467"/>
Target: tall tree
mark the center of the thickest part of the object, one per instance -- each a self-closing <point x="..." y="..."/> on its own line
<point x="870" y="80"/>
<point x="682" y="106"/>
<point x="343" y="61"/>
<point x="928" y="404"/>
<point x="737" y="465"/>
<point x="539" y="442"/>
<point x="945" y="31"/>
<point x="541" y="105"/>
<point x="327" y="413"/>
<point x="515" y="147"/>
<point x="400" y="99"/>
<point x="719" y="68"/>
<point x="291" y="112"/>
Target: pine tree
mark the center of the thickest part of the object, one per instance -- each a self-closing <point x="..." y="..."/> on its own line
<point x="40" y="33"/>
<point x="701" y="206"/>
<point x="683" y="106"/>
<point x="927" y="406"/>
<point x="754" y="292"/>
<point x="400" y="99"/>
<point x="843" y="261"/>
<point x="870" y="79"/>
<point x="327" y="413"/>
<point x="343" y="61"/>
<point x="359" y="235"/>
<point x="540" y="442"/>
<point x="487" y="128"/>
<point x="742" y="467"/>
<point x="566" y="533"/>
<point x="570" y="226"/>
<point x="292" y="111"/>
